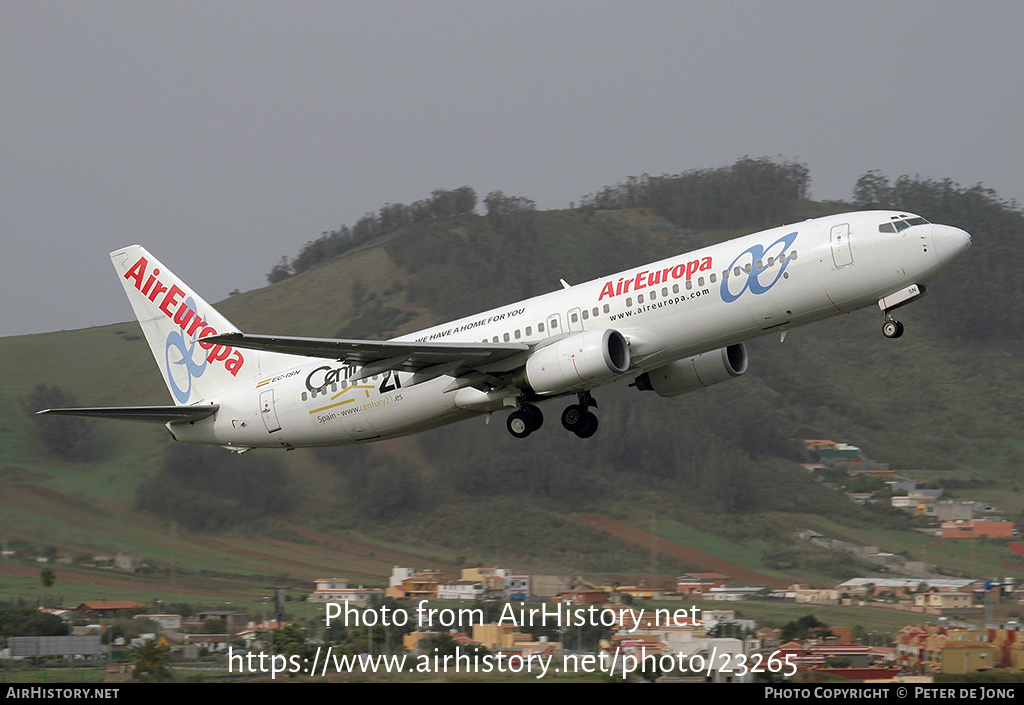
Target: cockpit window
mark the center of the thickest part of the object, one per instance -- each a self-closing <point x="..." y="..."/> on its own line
<point x="899" y="223"/>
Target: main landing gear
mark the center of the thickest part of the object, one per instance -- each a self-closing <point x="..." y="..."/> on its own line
<point x="891" y="328"/>
<point x="524" y="420"/>
<point x="577" y="418"/>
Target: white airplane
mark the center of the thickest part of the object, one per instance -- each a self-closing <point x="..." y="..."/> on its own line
<point x="671" y="326"/>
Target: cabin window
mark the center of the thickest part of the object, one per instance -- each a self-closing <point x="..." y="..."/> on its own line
<point x="595" y="312"/>
<point x="712" y="278"/>
<point x="574" y="317"/>
<point x="607" y="308"/>
<point x="586" y="314"/>
<point x="494" y="339"/>
<point x="760" y="265"/>
<point x="737" y="271"/>
<point x="689" y="284"/>
<point x="675" y="288"/>
<point x="639" y="298"/>
<point x="529" y="330"/>
<point x="506" y="337"/>
<point x="304" y="396"/>
<point x="664" y="292"/>
<point x="747" y="268"/>
<point x="518" y="334"/>
<point x="334" y="387"/>
<point x="771" y="261"/>
<point x="654" y="295"/>
<point x="629" y="301"/>
<point x="554" y="323"/>
<point x="792" y="255"/>
<point x="540" y="327"/>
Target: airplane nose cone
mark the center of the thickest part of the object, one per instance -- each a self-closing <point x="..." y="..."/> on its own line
<point x="950" y="242"/>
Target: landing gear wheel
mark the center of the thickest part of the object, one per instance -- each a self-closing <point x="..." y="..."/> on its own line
<point x="524" y="420"/>
<point x="574" y="417"/>
<point x="536" y="416"/>
<point x="518" y="423"/>
<point x="892" y="329"/>
<point x="591" y="427"/>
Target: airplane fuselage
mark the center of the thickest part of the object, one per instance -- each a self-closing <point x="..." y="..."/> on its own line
<point x="671" y="310"/>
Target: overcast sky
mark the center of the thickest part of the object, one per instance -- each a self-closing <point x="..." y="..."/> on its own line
<point x="223" y="135"/>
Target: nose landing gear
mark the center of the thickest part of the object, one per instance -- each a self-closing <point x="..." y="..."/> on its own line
<point x="891" y="328"/>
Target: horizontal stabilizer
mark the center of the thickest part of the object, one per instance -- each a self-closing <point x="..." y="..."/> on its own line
<point x="152" y="414"/>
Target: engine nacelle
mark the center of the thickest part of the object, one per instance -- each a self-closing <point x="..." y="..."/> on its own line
<point x="695" y="372"/>
<point x="578" y="362"/>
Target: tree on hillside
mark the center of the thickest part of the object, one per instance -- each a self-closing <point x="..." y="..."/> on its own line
<point x="205" y="488"/>
<point x="47" y="577"/>
<point x="392" y="216"/>
<point x="751" y="192"/>
<point x="387" y="490"/>
<point x="281" y="271"/>
<point x="289" y="640"/>
<point x="67" y="437"/>
<point x="873" y="191"/>
<point x="807" y="627"/>
<point x="28" y="621"/>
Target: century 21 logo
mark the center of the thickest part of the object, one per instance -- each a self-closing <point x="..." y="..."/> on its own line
<point x="757" y="254"/>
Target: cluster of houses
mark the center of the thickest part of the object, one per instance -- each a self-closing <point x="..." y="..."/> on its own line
<point x="952" y="519"/>
<point x="502" y="584"/>
<point x="659" y="637"/>
<point x="924" y="650"/>
<point x="939" y="597"/>
<point x="926" y="595"/>
<point x="928" y="649"/>
<point x="951" y="648"/>
<point x="429" y="584"/>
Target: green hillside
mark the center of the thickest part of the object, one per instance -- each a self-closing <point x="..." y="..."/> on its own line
<point x="716" y="470"/>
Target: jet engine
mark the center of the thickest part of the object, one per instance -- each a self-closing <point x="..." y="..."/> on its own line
<point x="695" y="372"/>
<point x="577" y="362"/>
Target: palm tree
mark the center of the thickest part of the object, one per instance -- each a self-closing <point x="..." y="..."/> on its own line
<point x="151" y="661"/>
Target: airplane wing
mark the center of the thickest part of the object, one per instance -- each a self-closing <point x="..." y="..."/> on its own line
<point x="152" y="414"/>
<point x="375" y="356"/>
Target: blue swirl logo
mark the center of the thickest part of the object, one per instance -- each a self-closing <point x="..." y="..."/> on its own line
<point x="758" y="254"/>
<point x="186" y="359"/>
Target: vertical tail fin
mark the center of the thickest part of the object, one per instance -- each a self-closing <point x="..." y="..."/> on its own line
<point x="174" y="318"/>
